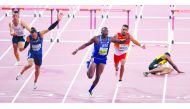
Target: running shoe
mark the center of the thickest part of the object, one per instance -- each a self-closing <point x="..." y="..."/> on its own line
<point x="145" y="74"/>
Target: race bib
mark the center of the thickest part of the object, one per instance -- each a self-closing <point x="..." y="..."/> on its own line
<point x="123" y="47"/>
<point x="19" y="32"/>
<point x="36" y="47"/>
<point x="103" y="51"/>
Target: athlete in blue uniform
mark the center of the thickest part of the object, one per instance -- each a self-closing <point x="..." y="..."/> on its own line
<point x="35" y="39"/>
<point x="99" y="55"/>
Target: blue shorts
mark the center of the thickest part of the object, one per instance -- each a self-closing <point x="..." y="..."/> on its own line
<point x="17" y="39"/>
<point x="37" y="58"/>
<point x="100" y="61"/>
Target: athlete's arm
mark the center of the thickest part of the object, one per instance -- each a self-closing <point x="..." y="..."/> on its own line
<point x="26" y="44"/>
<point x="115" y="40"/>
<point x="52" y="26"/>
<point x="172" y="64"/>
<point x="136" y="42"/>
<point x="25" y="25"/>
<point x="84" y="45"/>
<point x="115" y="36"/>
<point x="11" y="30"/>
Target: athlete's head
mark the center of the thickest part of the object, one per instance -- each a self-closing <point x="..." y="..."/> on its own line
<point x="34" y="33"/>
<point x="104" y="31"/>
<point x="15" y="13"/>
<point x="124" y="29"/>
<point x="167" y="54"/>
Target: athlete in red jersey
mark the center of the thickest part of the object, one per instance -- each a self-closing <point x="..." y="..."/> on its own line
<point x="121" y="50"/>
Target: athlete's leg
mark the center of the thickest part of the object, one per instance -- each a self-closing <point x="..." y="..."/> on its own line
<point x="99" y="71"/>
<point x="157" y="71"/>
<point x="123" y="61"/>
<point x="20" y="45"/>
<point x="38" y="63"/>
<point x="37" y="73"/>
<point x="116" y="64"/>
<point x="166" y="70"/>
<point x="91" y="70"/>
<point x="15" y="49"/>
<point x="116" y="68"/>
<point x="30" y="63"/>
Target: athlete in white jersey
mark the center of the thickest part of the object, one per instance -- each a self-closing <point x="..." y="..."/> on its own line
<point x="17" y="27"/>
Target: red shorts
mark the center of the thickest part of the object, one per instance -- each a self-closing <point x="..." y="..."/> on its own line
<point x="117" y="59"/>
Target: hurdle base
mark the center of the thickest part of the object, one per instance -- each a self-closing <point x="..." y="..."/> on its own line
<point x="172" y="42"/>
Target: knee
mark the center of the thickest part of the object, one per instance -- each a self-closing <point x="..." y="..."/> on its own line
<point x="123" y="63"/>
<point x="30" y="62"/>
<point x="21" y="49"/>
<point x="37" y="70"/>
<point x="89" y="75"/>
<point x="29" y="65"/>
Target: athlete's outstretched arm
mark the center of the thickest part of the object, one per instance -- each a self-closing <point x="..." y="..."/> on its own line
<point x="173" y="65"/>
<point x="26" y="44"/>
<point x="52" y="26"/>
<point x="136" y="42"/>
<point x="25" y="25"/>
<point x="114" y="40"/>
<point x="115" y="36"/>
<point x="84" y="45"/>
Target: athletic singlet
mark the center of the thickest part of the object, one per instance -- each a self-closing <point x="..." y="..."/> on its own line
<point x="36" y="45"/>
<point x="121" y="48"/>
<point x="102" y="48"/>
<point x="19" y="29"/>
<point x="159" y="60"/>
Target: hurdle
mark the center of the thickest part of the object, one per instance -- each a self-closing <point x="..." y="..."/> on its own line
<point x="173" y="18"/>
<point x="94" y="11"/>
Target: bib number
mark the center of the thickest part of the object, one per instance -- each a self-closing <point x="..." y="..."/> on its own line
<point x="19" y="32"/>
<point x="122" y="47"/>
<point x="103" y="51"/>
